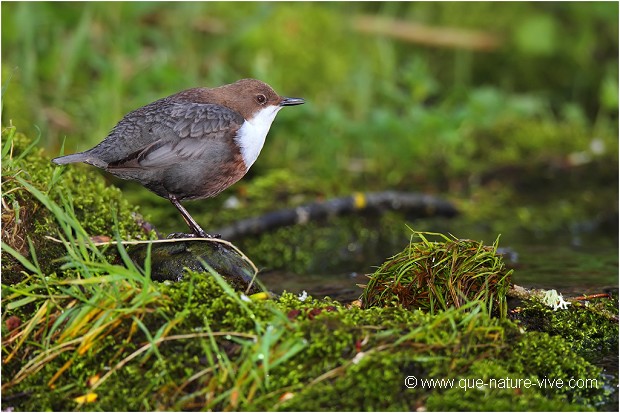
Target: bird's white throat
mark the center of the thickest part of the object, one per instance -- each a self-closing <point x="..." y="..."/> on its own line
<point x="252" y="134"/>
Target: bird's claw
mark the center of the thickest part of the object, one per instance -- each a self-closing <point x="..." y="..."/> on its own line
<point x="201" y="234"/>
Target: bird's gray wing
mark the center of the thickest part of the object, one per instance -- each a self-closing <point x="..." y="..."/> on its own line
<point x="178" y="132"/>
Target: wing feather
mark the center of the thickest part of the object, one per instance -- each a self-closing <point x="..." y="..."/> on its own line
<point x="180" y="131"/>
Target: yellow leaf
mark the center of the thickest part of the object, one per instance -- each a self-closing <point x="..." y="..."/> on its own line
<point x="87" y="398"/>
<point x="259" y="296"/>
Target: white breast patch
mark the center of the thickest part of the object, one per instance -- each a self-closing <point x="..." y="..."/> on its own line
<point x="251" y="136"/>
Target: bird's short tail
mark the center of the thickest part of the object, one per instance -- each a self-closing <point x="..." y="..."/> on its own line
<point x="76" y="157"/>
<point x="80" y="157"/>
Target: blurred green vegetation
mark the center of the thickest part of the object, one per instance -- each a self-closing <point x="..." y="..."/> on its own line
<point x="522" y="135"/>
<point x="381" y="112"/>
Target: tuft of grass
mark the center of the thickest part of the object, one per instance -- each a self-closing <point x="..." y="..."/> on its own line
<point x="434" y="276"/>
<point x="75" y="313"/>
<point x="37" y="203"/>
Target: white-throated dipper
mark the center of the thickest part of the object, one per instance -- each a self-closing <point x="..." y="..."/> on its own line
<point x="190" y="145"/>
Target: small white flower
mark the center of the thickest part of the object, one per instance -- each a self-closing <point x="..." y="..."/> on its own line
<point x="553" y="299"/>
<point x="245" y="298"/>
<point x="303" y="296"/>
<point x="561" y="304"/>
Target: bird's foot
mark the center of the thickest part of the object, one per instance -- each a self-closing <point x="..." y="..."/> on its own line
<point x="201" y="234"/>
<point x="178" y="235"/>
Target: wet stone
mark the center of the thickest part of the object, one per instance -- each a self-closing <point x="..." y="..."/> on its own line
<point x="171" y="258"/>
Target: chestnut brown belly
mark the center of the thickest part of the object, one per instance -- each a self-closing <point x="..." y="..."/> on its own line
<point x="188" y="180"/>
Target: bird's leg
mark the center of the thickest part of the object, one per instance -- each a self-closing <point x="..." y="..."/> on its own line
<point x="191" y="223"/>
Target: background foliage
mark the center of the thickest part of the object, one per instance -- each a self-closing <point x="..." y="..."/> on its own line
<point x="381" y="112"/>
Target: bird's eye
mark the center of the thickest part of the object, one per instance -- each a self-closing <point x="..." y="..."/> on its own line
<point x="261" y="99"/>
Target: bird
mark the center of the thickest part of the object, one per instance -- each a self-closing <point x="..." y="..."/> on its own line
<point x="190" y="145"/>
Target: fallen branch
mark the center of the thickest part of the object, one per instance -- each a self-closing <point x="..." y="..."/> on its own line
<point x="419" y="205"/>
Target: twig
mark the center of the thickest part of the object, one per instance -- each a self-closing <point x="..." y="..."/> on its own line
<point x="419" y="204"/>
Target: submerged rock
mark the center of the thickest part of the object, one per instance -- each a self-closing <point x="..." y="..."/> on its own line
<point x="171" y="258"/>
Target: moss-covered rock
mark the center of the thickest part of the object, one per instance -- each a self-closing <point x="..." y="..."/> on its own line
<point x="590" y="328"/>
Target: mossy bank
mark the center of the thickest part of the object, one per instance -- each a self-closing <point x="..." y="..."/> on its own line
<point x="85" y="333"/>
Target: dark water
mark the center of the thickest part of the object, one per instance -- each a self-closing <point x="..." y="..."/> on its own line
<point x="567" y="268"/>
<point x="571" y="270"/>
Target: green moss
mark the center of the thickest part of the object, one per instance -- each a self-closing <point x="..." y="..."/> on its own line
<point x="341" y="358"/>
<point x="587" y="328"/>
<point x="203" y="302"/>
<point x="448" y="346"/>
<point x="473" y="393"/>
<point x="355" y="390"/>
<point x="558" y="362"/>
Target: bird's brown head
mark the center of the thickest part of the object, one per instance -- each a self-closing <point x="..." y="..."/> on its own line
<point x="246" y="96"/>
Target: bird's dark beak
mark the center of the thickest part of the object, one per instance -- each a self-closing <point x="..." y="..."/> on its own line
<point x="292" y="101"/>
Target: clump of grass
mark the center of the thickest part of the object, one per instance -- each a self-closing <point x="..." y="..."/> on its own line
<point x="85" y="301"/>
<point x="434" y="276"/>
<point x="36" y="205"/>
